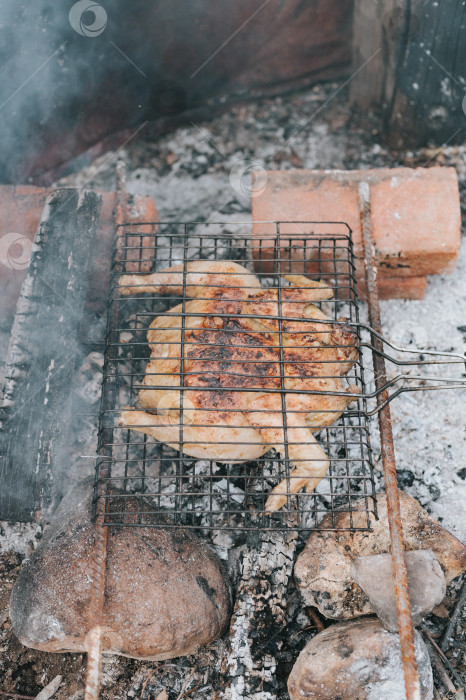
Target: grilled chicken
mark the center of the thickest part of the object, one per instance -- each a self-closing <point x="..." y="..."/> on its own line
<point x="235" y="397"/>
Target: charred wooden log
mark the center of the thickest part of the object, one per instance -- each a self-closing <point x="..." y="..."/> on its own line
<point x="408" y="59"/>
<point x="249" y="662"/>
<point x="36" y="409"/>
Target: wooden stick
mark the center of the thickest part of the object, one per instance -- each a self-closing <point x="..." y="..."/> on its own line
<point x="146" y="682"/>
<point x="182" y="693"/>
<point x="444" y="644"/>
<point x="437" y="656"/>
<point x="50" y="689"/>
<point x="316" y="619"/>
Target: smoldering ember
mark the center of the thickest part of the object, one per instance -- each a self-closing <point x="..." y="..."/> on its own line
<point x="233" y="330"/>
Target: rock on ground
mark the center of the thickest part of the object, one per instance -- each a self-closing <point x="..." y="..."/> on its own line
<point x="359" y="660"/>
<point x="166" y="591"/>
<point x="323" y="570"/>
<point x="426" y="580"/>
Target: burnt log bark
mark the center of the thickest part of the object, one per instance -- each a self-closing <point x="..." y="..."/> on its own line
<point x="36" y="408"/>
<point x="413" y="53"/>
<point x="249" y="663"/>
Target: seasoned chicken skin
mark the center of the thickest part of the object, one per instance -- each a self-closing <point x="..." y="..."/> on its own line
<point x="234" y="396"/>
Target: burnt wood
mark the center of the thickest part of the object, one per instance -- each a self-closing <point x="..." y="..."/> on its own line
<point x="409" y="62"/>
<point x="36" y="409"/>
<point x="427" y="102"/>
<point x="249" y="663"/>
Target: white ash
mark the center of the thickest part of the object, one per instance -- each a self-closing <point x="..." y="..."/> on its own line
<point x="429" y="428"/>
<point x="19" y="537"/>
<point x="234" y="493"/>
<point x="45" y="627"/>
<point x="223" y="541"/>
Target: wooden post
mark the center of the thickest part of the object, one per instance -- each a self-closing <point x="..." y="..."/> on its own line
<point x="35" y="415"/>
<point x="414" y="54"/>
<point x="370" y="53"/>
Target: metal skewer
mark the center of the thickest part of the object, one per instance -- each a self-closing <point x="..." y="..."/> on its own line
<point x="94" y="637"/>
<point x="403" y="605"/>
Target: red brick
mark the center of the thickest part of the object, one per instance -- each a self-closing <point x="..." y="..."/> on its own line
<point x="416" y="218"/>
<point x="397" y="288"/>
<point x="415" y="215"/>
<point x="20" y="211"/>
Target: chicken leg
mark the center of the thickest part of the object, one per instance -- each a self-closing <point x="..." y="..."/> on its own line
<point x="311" y="462"/>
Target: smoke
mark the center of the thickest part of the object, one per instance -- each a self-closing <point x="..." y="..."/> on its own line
<point x="76" y="72"/>
<point x="57" y="67"/>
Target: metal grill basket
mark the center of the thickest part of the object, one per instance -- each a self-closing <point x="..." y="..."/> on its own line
<point x="175" y="489"/>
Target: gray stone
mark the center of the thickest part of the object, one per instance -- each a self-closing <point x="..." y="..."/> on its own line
<point x="427" y="585"/>
<point x="323" y="569"/>
<point x="166" y="593"/>
<point x="358" y="660"/>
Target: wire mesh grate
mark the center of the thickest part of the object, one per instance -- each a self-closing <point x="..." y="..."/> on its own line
<point x="190" y="423"/>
